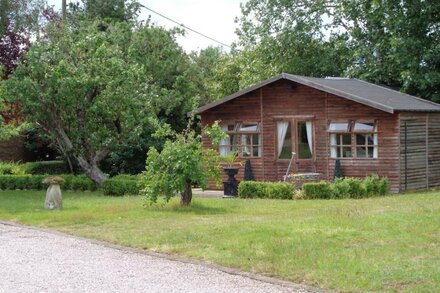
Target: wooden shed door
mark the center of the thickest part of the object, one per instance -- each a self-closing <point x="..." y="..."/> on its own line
<point x="295" y="137"/>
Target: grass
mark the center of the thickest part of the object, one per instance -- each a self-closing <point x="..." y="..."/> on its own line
<point x="377" y="244"/>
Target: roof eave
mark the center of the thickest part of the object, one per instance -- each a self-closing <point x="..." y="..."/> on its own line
<point x="235" y="95"/>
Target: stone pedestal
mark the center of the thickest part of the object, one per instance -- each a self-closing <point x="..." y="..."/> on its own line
<point x="53" y="201"/>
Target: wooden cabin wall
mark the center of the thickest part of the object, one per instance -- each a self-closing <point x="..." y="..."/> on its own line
<point x="419" y="150"/>
<point x="289" y="99"/>
<point x="243" y="109"/>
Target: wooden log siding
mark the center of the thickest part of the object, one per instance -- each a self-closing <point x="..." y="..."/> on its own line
<point x="289" y="99"/>
<point x="419" y="150"/>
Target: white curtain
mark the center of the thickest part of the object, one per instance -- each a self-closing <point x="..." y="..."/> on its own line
<point x="225" y="143"/>
<point x="282" y="131"/>
<point x="375" y="145"/>
<point x="309" y="135"/>
<point x="333" y="152"/>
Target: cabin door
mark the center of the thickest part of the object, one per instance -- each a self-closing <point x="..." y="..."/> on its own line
<point x="295" y="146"/>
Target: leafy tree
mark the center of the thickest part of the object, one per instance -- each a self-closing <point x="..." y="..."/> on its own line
<point x="388" y="42"/>
<point x="20" y="16"/>
<point x="86" y="90"/>
<point x="109" y="10"/>
<point x="217" y="74"/>
<point x="181" y="164"/>
<point x="287" y="36"/>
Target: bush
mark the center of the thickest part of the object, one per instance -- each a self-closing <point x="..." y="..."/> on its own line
<point x="125" y="177"/>
<point x="275" y="190"/>
<point x="78" y="183"/>
<point x="12" y="182"/>
<point x="46" y="167"/>
<point x="347" y="188"/>
<point x="11" y="168"/>
<point x="318" y="190"/>
<point x="120" y="187"/>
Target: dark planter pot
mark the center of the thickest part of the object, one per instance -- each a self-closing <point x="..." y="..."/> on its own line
<point x="230" y="186"/>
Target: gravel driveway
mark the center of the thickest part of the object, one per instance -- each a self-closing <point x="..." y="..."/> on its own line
<point x="35" y="260"/>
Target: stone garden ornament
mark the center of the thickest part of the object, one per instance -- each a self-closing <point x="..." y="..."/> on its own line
<point x="53" y="201"/>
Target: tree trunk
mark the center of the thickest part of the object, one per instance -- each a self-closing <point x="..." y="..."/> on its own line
<point x="92" y="171"/>
<point x="186" y="196"/>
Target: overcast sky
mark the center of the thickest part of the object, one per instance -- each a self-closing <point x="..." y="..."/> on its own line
<point x="214" y="18"/>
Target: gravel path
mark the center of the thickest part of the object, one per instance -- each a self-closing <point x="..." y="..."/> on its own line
<point x="34" y="260"/>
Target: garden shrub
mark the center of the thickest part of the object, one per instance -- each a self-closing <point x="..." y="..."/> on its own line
<point x="120" y="187"/>
<point x="250" y="189"/>
<point x="11" y="168"/>
<point x="12" y="182"/>
<point x="318" y="190"/>
<point x="383" y="186"/>
<point x="125" y="177"/>
<point x="356" y="188"/>
<point x="347" y="188"/>
<point x="275" y="190"/>
<point x="46" y="167"/>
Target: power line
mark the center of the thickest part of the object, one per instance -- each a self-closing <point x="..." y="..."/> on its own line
<point x="188" y="28"/>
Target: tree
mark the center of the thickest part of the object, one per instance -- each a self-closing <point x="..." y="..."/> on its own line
<point x="388" y="42"/>
<point x="85" y="88"/>
<point x="217" y="74"/>
<point x="181" y="164"/>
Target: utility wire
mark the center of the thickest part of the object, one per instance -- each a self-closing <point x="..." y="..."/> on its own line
<point x="188" y="28"/>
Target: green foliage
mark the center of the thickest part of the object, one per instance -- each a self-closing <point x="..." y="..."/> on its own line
<point x="248" y="175"/>
<point x="215" y="133"/>
<point x="389" y="42"/>
<point x="45" y="167"/>
<point x="230" y="159"/>
<point x="11" y="168"/>
<point x="218" y="74"/>
<point x="347" y="188"/>
<point x="274" y="190"/>
<point x="180" y="164"/>
<point x="110" y="10"/>
<point x="120" y="187"/>
<point x="12" y="182"/>
<point x="126" y="177"/>
<point x="317" y="190"/>
<point x="107" y="87"/>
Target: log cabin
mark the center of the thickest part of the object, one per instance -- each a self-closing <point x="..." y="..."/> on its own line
<point x="371" y="130"/>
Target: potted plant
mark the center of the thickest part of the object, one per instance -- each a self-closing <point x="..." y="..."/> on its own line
<point x="230" y="186"/>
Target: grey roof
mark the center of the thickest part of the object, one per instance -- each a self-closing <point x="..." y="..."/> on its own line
<point x="362" y="92"/>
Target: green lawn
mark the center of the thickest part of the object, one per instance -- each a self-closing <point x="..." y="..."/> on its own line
<point x="376" y="244"/>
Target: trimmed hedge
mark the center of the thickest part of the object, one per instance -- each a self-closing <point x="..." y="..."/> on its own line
<point x="275" y="190"/>
<point x="12" y="182"/>
<point x="120" y="187"/>
<point x="347" y="188"/>
<point x="46" y="167"/>
<point x="314" y="190"/>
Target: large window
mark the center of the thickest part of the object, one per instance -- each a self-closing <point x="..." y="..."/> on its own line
<point x="243" y="138"/>
<point x="353" y="139"/>
<point x="302" y="144"/>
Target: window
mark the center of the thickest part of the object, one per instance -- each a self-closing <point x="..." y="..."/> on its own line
<point x="302" y="144"/>
<point x="340" y="145"/>
<point x="284" y="137"/>
<point x="353" y="139"/>
<point x="304" y="138"/>
<point x="243" y="138"/>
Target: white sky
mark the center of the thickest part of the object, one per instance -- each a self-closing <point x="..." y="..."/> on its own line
<point x="214" y="18"/>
